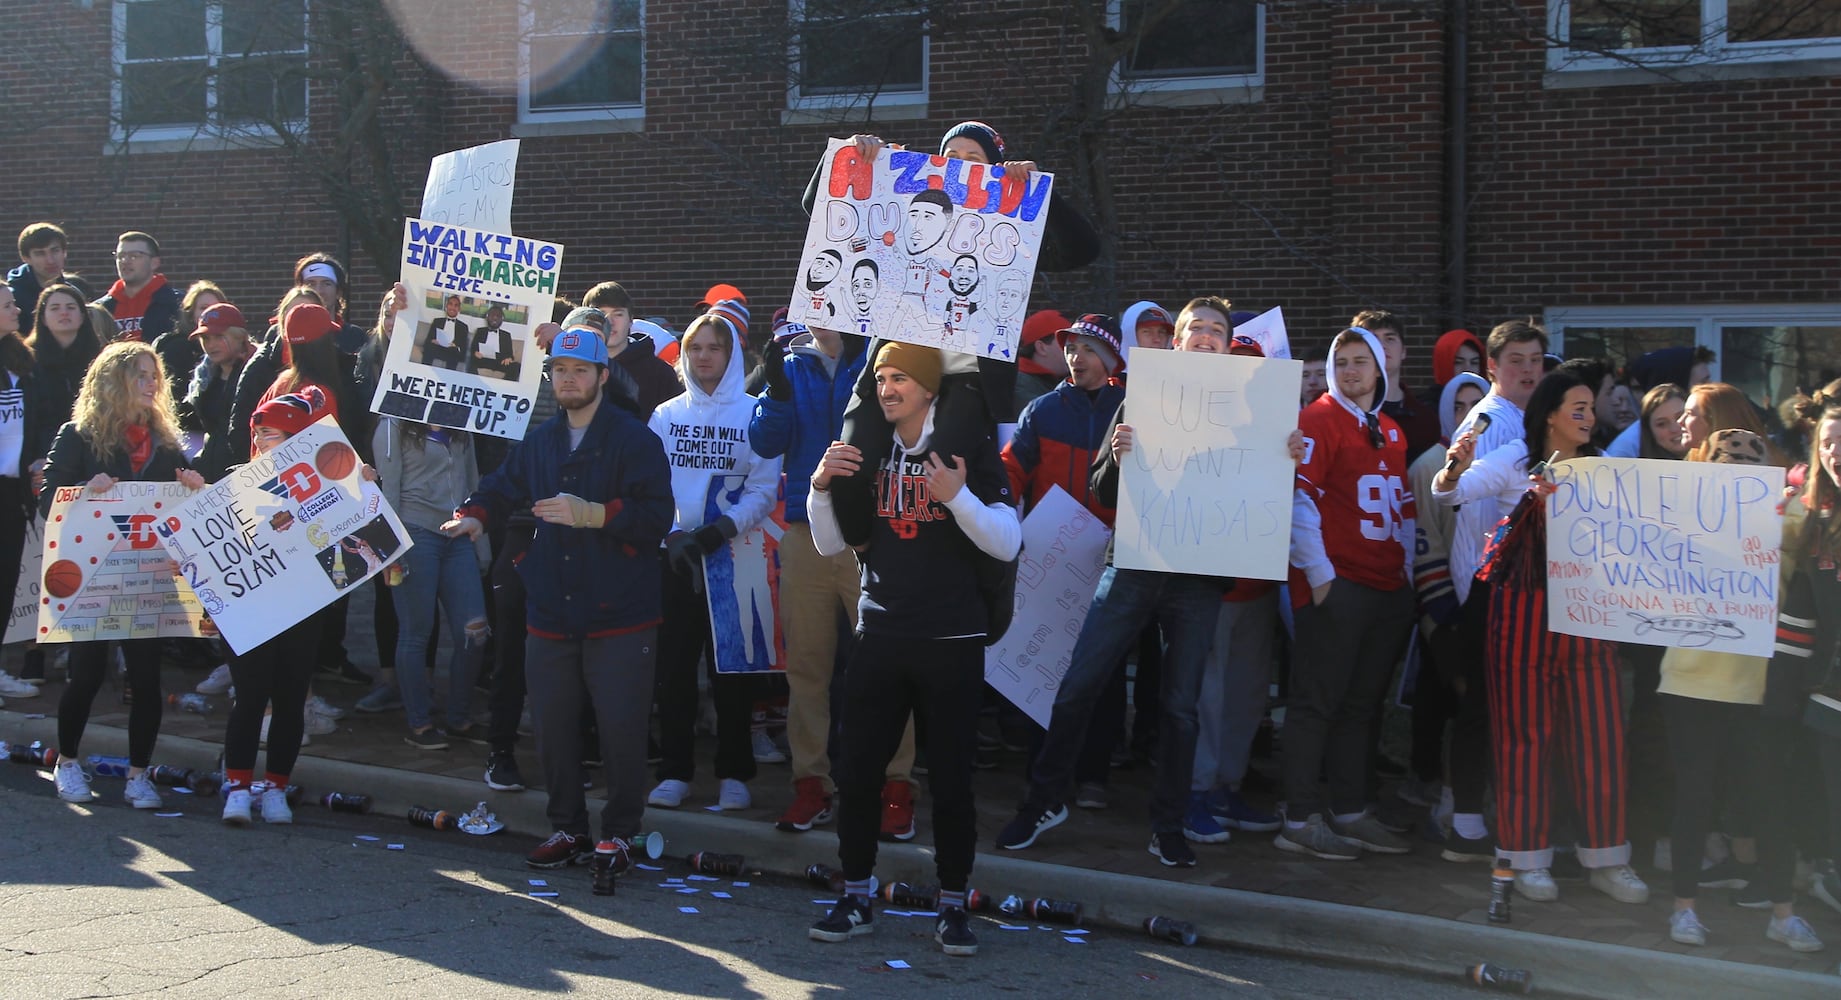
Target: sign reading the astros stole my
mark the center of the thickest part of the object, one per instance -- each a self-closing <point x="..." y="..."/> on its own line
<point x="461" y="351"/>
<point x="105" y="575"/>
<point x="283" y="536"/>
<point x="921" y="248"/>
<point x="1665" y="553"/>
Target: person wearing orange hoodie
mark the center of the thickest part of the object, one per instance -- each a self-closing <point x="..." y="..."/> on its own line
<point x="1457" y="352"/>
<point x="143" y="304"/>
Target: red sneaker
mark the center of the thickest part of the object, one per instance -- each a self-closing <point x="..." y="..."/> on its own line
<point x="561" y="849"/>
<point x="811" y="806"/>
<point x="897" y="811"/>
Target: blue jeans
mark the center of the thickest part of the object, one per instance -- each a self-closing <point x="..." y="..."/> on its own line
<point x="1127" y="600"/>
<point x="446" y="569"/>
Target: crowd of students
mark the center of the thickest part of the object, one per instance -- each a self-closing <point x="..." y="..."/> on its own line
<point x="1416" y="539"/>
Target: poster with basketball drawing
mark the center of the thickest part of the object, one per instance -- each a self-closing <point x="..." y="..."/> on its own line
<point x="742" y="583"/>
<point x="463" y="351"/>
<point x="105" y="575"/>
<point x="23" y="626"/>
<point x="930" y="250"/>
<point x="282" y="537"/>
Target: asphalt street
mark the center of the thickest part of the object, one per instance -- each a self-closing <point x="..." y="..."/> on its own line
<point x="102" y="900"/>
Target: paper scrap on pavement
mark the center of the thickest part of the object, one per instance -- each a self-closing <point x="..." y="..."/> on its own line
<point x="688" y="891"/>
<point x="649" y="868"/>
<point x="896" y="963"/>
<point x="824" y="902"/>
<point x="169" y="815"/>
<point x="738" y="885"/>
<point x="394" y="847"/>
<point x="540" y="883"/>
<point x="1012" y="927"/>
<point x="181" y="790"/>
<point x="704" y="878"/>
<point x="687" y="909"/>
<point x="543" y="895"/>
<point x="712" y="809"/>
<point x="721" y="895"/>
<point x="1075" y="933"/>
<point x="1074" y="940"/>
<point x="366" y="836"/>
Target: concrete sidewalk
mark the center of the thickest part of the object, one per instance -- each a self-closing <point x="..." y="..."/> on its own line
<point x="1412" y="913"/>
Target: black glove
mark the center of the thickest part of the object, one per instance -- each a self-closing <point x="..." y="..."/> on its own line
<point x="684" y="555"/>
<point x="773" y="362"/>
<point x="715" y="534"/>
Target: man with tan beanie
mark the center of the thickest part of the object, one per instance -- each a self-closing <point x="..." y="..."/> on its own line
<point x="922" y="625"/>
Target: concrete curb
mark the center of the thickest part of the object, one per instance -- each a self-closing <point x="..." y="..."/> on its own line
<point x="1299" y="928"/>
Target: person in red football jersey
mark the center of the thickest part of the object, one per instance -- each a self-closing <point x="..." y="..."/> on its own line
<point x="1351" y="578"/>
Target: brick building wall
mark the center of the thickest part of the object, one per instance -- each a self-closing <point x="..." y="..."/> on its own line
<point x="1324" y="196"/>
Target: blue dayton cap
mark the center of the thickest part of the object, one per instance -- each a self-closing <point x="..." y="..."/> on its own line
<point x="581" y="337"/>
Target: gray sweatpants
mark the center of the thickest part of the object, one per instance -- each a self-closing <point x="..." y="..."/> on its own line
<point x="615" y="675"/>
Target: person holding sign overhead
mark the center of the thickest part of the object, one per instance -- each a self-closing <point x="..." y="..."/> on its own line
<point x="1352" y="525"/>
<point x="122" y="428"/>
<point x="1544" y="687"/>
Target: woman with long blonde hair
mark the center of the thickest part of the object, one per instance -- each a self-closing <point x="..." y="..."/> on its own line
<point x="123" y="428"/>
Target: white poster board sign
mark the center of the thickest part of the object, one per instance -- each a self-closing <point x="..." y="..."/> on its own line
<point x="23" y="625"/>
<point x="105" y="575"/>
<point x="741" y="581"/>
<point x="1064" y="553"/>
<point x="1268" y="331"/>
<point x="1666" y="553"/>
<point x="282" y="537"/>
<point x="461" y="352"/>
<point x="473" y="187"/>
<point x="921" y="248"/>
<point x="1207" y="485"/>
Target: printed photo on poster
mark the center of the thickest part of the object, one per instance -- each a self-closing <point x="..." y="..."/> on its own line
<point x="921" y="248"/>
<point x="105" y="574"/>
<point x="461" y="351"/>
<point x="742" y="584"/>
<point x="282" y="537"/>
<point x="1666" y="553"/>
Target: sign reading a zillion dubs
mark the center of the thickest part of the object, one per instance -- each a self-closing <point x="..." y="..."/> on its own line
<point x="462" y="353"/>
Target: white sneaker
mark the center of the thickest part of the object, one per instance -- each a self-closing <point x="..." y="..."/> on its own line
<point x="275" y="805"/>
<point x="13" y="687"/>
<point x="1537" y="884"/>
<point x="1794" y="932"/>
<point x="73" y="784"/>
<point x="236" y="807"/>
<point x="733" y="795"/>
<point x="765" y="752"/>
<point x="218" y="683"/>
<point x="1685" y="928"/>
<point x="1622" y="883"/>
<point x="140" y="793"/>
<point x="319" y="725"/>
<point x="669" y="794"/>
<point x="321" y="706"/>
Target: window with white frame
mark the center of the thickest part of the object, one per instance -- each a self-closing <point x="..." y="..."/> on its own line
<point x="190" y="66"/>
<point x="1192" y="45"/>
<point x="1768" y="352"/>
<point x="583" y="59"/>
<point x="1684" y="34"/>
<point x="853" y="53"/>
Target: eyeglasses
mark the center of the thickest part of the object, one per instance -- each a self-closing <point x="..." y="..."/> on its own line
<point x="131" y="255"/>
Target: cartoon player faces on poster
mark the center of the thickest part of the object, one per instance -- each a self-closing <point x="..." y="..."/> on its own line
<point x="925" y="249"/>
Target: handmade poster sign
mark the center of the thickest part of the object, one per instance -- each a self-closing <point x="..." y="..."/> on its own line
<point x="461" y="353"/>
<point x="105" y="575"/>
<point x="742" y="584"/>
<point x="1665" y="553"/>
<point x="472" y="187"/>
<point x="1268" y="331"/>
<point x="23" y="625"/>
<point x="921" y="248"/>
<point x="1207" y="485"/>
<point x="1064" y="553"/>
<point x="282" y="537"/>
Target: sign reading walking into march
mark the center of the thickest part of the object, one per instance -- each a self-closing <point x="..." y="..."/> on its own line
<point x="105" y="575"/>
<point x="921" y="248"/>
<point x="1206" y="487"/>
<point x="473" y="186"/>
<point x="1064" y="553"/>
<point x="1665" y="553"/>
<point x="282" y="537"/>
<point x="742" y="584"/>
<point x="461" y="351"/>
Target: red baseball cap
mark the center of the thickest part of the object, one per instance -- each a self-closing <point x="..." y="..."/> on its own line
<point x="219" y="318"/>
<point x="307" y="323"/>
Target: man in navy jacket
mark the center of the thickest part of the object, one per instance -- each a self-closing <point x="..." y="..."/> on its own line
<point x="596" y="478"/>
